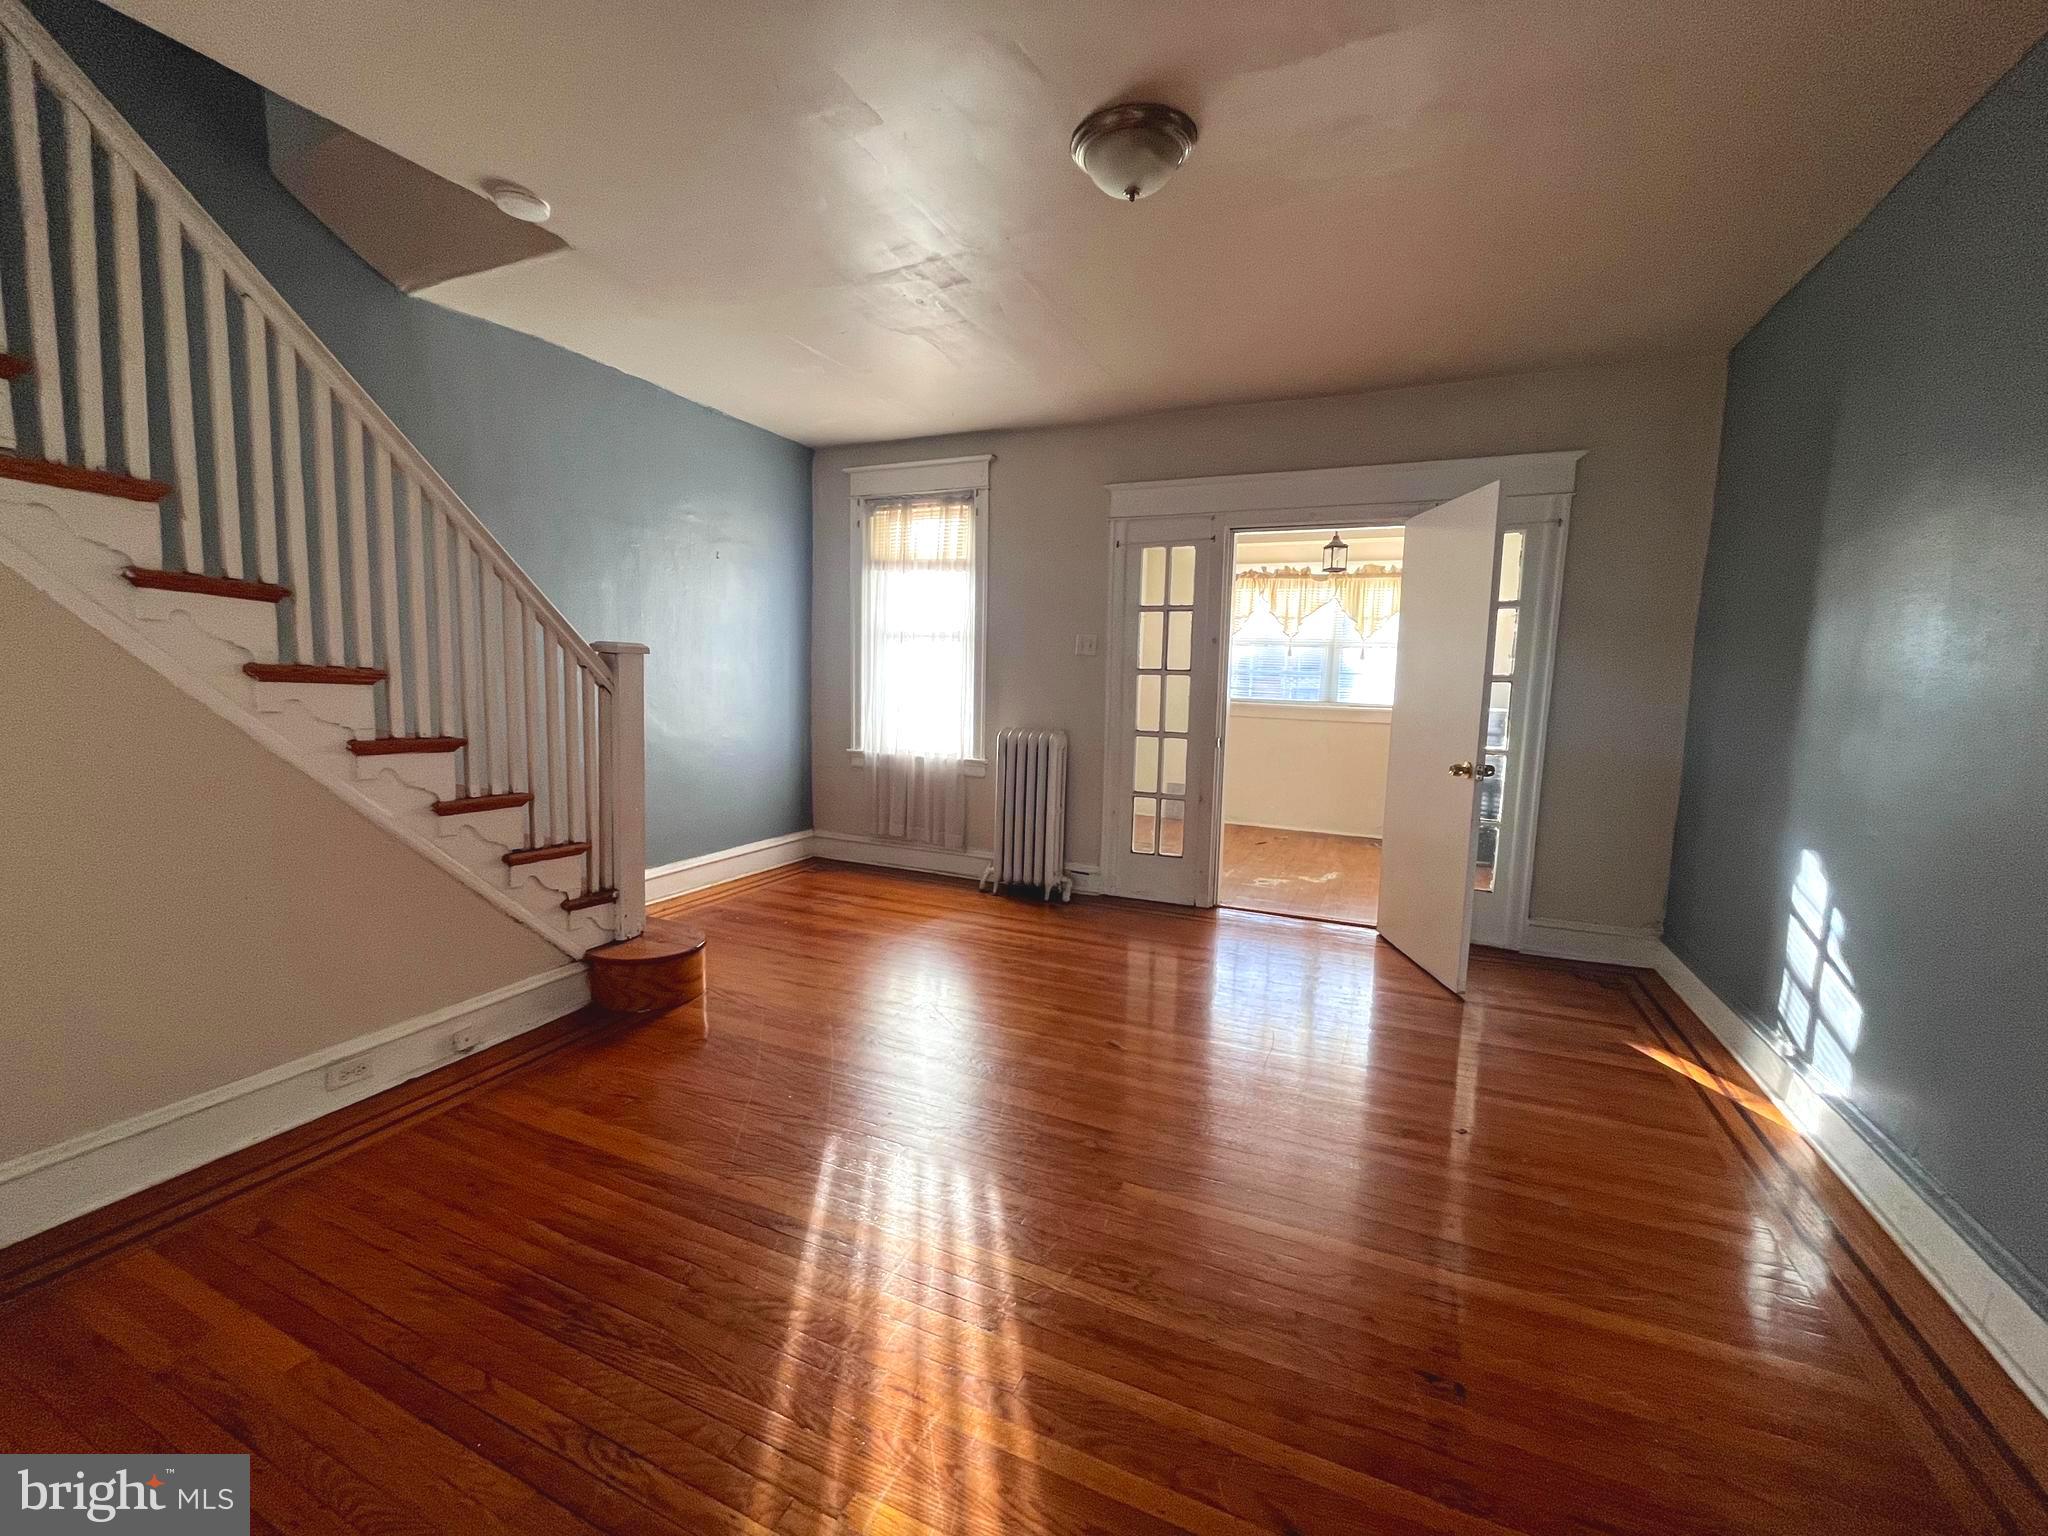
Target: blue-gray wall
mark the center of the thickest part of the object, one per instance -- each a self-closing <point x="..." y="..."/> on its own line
<point x="1871" y="674"/>
<point x="642" y="515"/>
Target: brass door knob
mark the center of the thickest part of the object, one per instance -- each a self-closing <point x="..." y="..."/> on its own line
<point x="1471" y="771"/>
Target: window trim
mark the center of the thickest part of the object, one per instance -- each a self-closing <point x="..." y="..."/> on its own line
<point x="919" y="477"/>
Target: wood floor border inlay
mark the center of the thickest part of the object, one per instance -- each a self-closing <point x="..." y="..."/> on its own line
<point x="1964" y="1374"/>
<point x="86" y="1239"/>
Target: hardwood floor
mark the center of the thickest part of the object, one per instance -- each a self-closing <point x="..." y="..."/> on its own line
<point x="1300" y="874"/>
<point x="978" y="1215"/>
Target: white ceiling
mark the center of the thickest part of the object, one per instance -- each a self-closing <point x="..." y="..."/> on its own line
<point x="851" y="220"/>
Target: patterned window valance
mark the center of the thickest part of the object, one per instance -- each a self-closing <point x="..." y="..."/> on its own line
<point x="1369" y="596"/>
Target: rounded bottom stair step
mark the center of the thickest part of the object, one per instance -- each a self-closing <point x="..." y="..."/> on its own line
<point x="661" y="971"/>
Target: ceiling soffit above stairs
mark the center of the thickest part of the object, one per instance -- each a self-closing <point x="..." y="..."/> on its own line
<point x="414" y="227"/>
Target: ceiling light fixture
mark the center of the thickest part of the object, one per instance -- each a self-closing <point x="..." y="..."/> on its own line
<point x="516" y="202"/>
<point x="1336" y="556"/>
<point x="1130" y="149"/>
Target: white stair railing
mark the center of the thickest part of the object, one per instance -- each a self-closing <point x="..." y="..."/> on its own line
<point x="283" y="470"/>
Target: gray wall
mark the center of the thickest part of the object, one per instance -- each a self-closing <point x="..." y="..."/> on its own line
<point x="1870" y="677"/>
<point x="641" y="515"/>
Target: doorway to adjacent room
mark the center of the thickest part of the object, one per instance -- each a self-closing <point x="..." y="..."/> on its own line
<point x="1314" y="632"/>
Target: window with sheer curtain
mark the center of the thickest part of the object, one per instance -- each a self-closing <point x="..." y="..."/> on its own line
<point x="917" y="627"/>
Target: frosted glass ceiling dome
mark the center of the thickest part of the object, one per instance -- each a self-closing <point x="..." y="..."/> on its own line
<point x="1130" y="149"/>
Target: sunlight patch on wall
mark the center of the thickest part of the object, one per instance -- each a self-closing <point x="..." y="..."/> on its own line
<point x="1820" y="1017"/>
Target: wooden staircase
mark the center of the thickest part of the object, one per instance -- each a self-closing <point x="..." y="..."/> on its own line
<point x="300" y="568"/>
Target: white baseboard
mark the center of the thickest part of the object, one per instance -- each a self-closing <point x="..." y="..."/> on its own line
<point x="887" y="853"/>
<point x="40" y="1189"/>
<point x="926" y="858"/>
<point x="1591" y="942"/>
<point x="2016" y="1335"/>
<point x="709" y="869"/>
<point x="1374" y="836"/>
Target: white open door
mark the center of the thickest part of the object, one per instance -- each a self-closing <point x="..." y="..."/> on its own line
<point x="1434" y="758"/>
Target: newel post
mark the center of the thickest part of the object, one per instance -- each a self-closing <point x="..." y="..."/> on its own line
<point x="626" y="766"/>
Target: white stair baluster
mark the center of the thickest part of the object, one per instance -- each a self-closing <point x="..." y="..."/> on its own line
<point x="262" y="490"/>
<point x="333" y="644"/>
<point x="392" y="621"/>
<point x="586" y="688"/>
<point x="289" y="426"/>
<point x="40" y="289"/>
<point x="518" y="739"/>
<point x="129" y="317"/>
<point x="490" y="639"/>
<point x="359" y="598"/>
<point x="476" y="720"/>
<point x="551" y="676"/>
<point x="227" y="490"/>
<point x="607" y="791"/>
<point x="170" y="256"/>
<point x="412" y="538"/>
<point x="447" y="627"/>
<point x="88" y="378"/>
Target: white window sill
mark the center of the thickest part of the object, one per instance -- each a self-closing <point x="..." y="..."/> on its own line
<point x="1275" y="709"/>
<point x="970" y="767"/>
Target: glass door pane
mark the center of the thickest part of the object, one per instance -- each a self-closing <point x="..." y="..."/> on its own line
<point x="1501" y="689"/>
<point x="1165" y="660"/>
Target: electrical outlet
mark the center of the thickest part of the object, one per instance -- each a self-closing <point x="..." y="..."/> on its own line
<point x="344" y="1073"/>
<point x="463" y="1041"/>
<point x="1084" y="645"/>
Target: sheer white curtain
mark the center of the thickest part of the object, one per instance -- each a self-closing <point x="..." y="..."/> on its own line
<point x="917" y="663"/>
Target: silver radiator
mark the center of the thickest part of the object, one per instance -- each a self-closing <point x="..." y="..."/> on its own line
<point x="1031" y="813"/>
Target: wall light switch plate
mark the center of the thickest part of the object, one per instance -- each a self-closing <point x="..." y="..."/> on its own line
<point x="1084" y="645"/>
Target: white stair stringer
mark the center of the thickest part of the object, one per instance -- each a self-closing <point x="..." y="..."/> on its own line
<point x="72" y="545"/>
<point x="538" y="888"/>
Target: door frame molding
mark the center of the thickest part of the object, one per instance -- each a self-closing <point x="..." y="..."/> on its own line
<point x="1536" y="494"/>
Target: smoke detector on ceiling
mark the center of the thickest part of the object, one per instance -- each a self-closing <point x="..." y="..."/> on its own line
<point x="1130" y="149"/>
<point x="516" y="202"/>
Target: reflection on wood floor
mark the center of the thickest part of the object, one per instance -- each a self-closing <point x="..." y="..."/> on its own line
<point x="983" y="1216"/>
<point x="1301" y="874"/>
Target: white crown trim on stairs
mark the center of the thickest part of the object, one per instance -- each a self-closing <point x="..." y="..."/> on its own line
<point x="39" y="1190"/>
<point x="2008" y="1327"/>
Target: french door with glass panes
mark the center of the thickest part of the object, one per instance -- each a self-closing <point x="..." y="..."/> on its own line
<point x="1518" y="682"/>
<point x="1161" y="768"/>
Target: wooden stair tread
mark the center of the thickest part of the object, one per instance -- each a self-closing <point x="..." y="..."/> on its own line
<point x="13" y="367"/>
<point x="306" y="672"/>
<point x="69" y="477"/>
<point x="396" y="746"/>
<point x="462" y="804"/>
<point x="208" y="586"/>
<point x="589" y="899"/>
<point x="549" y="851"/>
<point x="663" y="940"/>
